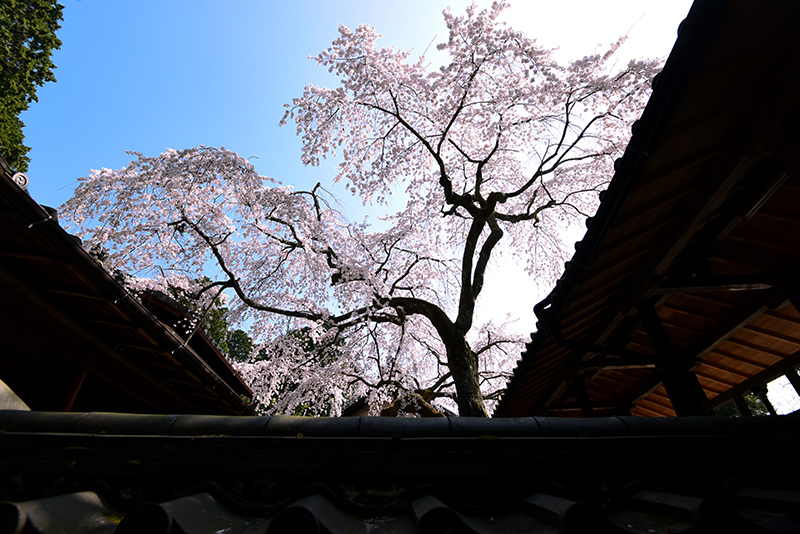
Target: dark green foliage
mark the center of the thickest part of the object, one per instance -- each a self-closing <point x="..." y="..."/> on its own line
<point x="27" y="39"/>
<point x="240" y="346"/>
<point x="756" y="405"/>
<point x="214" y="318"/>
<point x="215" y="325"/>
<point x="753" y="402"/>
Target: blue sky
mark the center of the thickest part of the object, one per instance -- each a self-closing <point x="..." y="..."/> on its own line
<point x="148" y="75"/>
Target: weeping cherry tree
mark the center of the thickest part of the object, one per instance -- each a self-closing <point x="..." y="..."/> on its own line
<point x="501" y="144"/>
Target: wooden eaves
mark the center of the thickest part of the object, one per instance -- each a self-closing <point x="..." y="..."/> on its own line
<point x="75" y="339"/>
<point x="683" y="295"/>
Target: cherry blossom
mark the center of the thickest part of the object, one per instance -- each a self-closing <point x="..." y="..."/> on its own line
<point x="499" y="143"/>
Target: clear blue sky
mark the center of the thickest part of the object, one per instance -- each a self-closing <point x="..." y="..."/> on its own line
<point x="153" y="74"/>
<point x="147" y="75"/>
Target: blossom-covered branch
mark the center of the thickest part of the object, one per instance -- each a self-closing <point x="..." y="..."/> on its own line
<point x="501" y="143"/>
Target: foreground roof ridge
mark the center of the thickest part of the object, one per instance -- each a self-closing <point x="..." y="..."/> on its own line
<point x="384" y="427"/>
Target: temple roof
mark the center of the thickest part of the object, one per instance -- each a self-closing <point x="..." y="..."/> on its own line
<point x="696" y="241"/>
<point x="74" y="338"/>
<point x="199" y="474"/>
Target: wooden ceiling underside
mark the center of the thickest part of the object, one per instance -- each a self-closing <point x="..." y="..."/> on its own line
<point x="704" y="230"/>
<point x="63" y="318"/>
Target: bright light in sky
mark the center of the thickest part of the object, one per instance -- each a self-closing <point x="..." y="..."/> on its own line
<point x="148" y="75"/>
<point x="153" y="74"/>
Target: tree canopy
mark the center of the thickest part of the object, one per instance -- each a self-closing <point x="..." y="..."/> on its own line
<point x="27" y="39"/>
<point x="500" y="142"/>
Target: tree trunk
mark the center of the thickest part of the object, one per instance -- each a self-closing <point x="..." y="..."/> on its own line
<point x="464" y="365"/>
<point x="461" y="360"/>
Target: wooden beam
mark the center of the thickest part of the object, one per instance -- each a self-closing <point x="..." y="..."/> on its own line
<point x="650" y="411"/>
<point x="759" y="348"/>
<point x="706" y="284"/>
<point x="74" y="389"/>
<point x="761" y="392"/>
<point x="66" y="334"/>
<point x="761" y="178"/>
<point x="597" y="408"/>
<point x="585" y="350"/>
<point x="110" y="322"/>
<point x="772" y="334"/>
<point x="75" y="293"/>
<point x="725" y="369"/>
<point x="582" y="395"/>
<point x="683" y="387"/>
<point x="742" y="406"/>
<point x="30" y="256"/>
<point x="715" y="192"/>
<point x="732" y="324"/>
<point x="769" y="374"/>
<point x="793" y="292"/>
<point x="615" y="363"/>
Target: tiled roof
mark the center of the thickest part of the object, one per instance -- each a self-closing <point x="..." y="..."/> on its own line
<point x="74" y="338"/>
<point x="697" y="236"/>
<point x="195" y="474"/>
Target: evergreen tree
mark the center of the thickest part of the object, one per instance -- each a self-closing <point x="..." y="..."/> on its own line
<point x="27" y="39"/>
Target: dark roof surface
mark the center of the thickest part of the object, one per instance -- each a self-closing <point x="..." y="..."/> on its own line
<point x="196" y="474"/>
<point x="699" y="224"/>
<point x="68" y="326"/>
